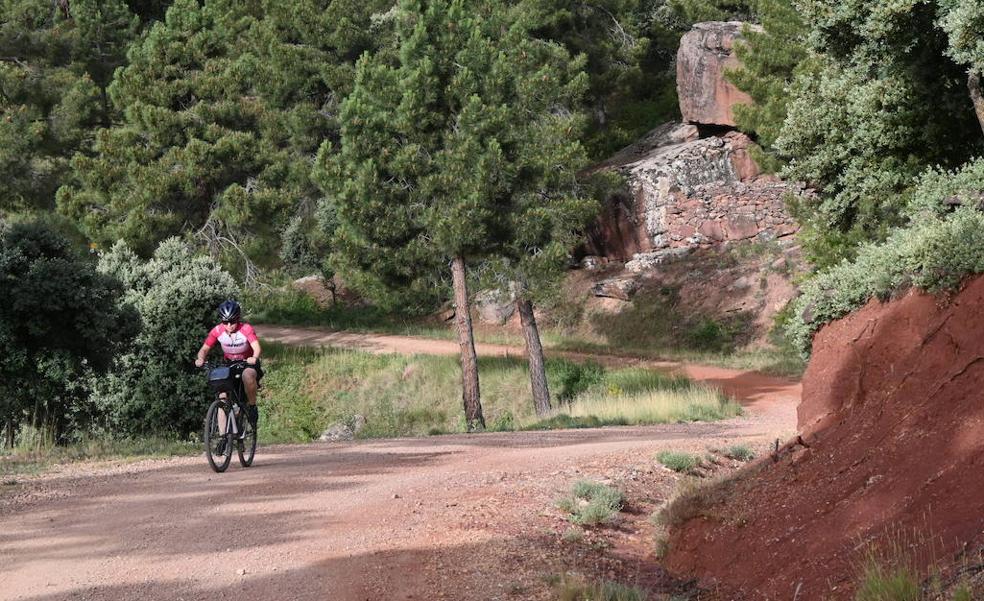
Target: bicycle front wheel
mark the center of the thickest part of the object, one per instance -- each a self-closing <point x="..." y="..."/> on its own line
<point x="218" y="447"/>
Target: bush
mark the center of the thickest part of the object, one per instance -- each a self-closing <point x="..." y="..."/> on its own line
<point x="740" y="453"/>
<point x="684" y="463"/>
<point x="592" y="503"/>
<point x="155" y="388"/>
<point x="935" y="255"/>
<point x="60" y="320"/>
<point x="573" y="378"/>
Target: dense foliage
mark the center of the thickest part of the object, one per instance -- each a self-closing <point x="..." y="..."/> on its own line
<point x="464" y="146"/>
<point x="60" y="321"/>
<point x="224" y="106"/>
<point x="630" y="47"/>
<point x="56" y="61"/>
<point x="154" y="387"/>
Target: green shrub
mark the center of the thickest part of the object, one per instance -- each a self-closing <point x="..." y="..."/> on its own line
<point x="740" y="453"/>
<point x="679" y="462"/>
<point x="570" y="379"/>
<point x="60" y="320"/>
<point x="934" y="255"/>
<point x="503" y="422"/>
<point x="591" y="503"/>
<point x="155" y="388"/>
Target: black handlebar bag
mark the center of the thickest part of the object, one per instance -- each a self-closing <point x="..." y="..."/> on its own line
<point x="223" y="379"/>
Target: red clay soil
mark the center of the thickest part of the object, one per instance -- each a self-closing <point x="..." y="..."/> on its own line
<point x="893" y="416"/>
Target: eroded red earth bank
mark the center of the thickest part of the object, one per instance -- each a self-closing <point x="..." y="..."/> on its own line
<point x="893" y="413"/>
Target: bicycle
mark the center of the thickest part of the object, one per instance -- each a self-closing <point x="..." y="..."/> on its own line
<point x="226" y="424"/>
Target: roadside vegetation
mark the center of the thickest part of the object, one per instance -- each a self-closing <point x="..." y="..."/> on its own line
<point x="646" y="334"/>
<point x="308" y="389"/>
<point x="576" y="588"/>
<point x="591" y="503"/>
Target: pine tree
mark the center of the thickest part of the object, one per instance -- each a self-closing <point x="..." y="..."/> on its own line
<point x="963" y="21"/>
<point x="770" y="55"/>
<point x="449" y="148"/>
<point x="224" y="106"/>
<point x="56" y="60"/>
<point x="630" y="46"/>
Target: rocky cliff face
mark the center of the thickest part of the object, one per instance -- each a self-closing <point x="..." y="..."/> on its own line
<point x="705" y="53"/>
<point x="689" y="192"/>
<point x="695" y="184"/>
<point x="694" y="194"/>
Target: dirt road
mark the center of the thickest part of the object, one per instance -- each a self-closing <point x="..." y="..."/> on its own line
<point x="448" y="517"/>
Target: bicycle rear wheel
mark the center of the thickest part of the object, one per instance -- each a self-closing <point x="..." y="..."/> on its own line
<point x="247" y="446"/>
<point x="218" y="444"/>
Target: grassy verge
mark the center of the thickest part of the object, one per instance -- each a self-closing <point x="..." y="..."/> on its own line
<point x="29" y="458"/>
<point x="308" y="389"/>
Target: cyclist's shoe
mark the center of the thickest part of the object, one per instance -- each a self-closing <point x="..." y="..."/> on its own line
<point x="253" y="414"/>
<point x="221" y="447"/>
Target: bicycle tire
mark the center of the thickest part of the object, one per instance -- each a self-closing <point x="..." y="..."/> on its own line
<point x="212" y="436"/>
<point x="247" y="446"/>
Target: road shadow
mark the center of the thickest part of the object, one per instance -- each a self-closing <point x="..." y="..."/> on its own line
<point x="505" y="568"/>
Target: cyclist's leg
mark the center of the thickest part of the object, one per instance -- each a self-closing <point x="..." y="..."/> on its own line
<point x="251" y="379"/>
<point x="222" y="415"/>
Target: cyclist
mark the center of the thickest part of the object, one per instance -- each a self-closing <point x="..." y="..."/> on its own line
<point x="239" y="343"/>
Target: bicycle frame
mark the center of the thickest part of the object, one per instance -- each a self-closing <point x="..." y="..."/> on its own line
<point x="237" y="402"/>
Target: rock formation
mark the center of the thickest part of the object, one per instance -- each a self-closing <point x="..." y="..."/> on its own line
<point x="689" y="192"/>
<point x="705" y="53"/>
<point x="693" y="192"/>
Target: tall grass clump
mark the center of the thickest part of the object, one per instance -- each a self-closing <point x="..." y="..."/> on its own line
<point x="591" y="503"/>
<point x="578" y="589"/>
<point x="679" y="462"/>
<point x="883" y="580"/>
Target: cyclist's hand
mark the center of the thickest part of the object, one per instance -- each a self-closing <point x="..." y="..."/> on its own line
<point x="251" y="360"/>
<point x="199" y="362"/>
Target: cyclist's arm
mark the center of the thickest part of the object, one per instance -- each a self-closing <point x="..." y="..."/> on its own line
<point x="202" y="353"/>
<point x="254" y="343"/>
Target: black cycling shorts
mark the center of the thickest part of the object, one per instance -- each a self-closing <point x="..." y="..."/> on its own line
<point x="241" y="367"/>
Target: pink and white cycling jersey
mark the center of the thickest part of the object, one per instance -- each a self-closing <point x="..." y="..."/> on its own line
<point x="236" y="345"/>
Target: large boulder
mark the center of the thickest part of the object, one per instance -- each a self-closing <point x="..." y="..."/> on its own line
<point x="688" y="191"/>
<point x="495" y="306"/>
<point x="705" y="53"/>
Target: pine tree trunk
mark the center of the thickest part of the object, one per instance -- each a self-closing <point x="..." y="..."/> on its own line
<point x="469" y="360"/>
<point x="534" y="354"/>
<point x="976" y="96"/>
<point x="9" y="434"/>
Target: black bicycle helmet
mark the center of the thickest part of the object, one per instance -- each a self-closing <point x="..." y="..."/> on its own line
<point x="230" y="311"/>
